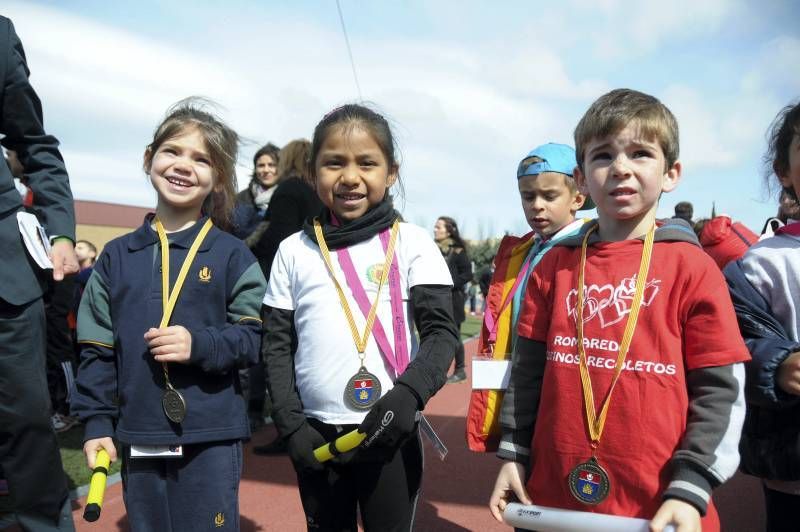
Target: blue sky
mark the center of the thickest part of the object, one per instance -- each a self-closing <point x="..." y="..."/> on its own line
<point x="469" y="86"/>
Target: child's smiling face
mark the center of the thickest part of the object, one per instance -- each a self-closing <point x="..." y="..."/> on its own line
<point x="181" y="171"/>
<point x="352" y="173"/>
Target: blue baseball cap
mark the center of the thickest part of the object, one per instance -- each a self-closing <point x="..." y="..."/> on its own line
<point x="558" y="158"/>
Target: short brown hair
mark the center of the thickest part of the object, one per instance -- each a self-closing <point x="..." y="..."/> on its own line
<point x="613" y="111"/>
<point x="294" y="160"/>
<point x="222" y="143"/>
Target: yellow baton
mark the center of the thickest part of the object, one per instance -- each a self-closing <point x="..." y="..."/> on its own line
<point x="97" y="486"/>
<point x="340" y="445"/>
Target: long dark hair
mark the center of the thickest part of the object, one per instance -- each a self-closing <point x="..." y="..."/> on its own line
<point x="267" y="149"/>
<point x="779" y="137"/>
<point x="452" y="227"/>
<point x="352" y="116"/>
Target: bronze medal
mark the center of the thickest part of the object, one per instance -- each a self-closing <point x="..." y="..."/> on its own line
<point x="589" y="483"/>
<point x="174" y="405"/>
<point x="172" y="400"/>
<point x="363" y="390"/>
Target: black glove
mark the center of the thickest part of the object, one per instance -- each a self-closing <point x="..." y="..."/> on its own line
<point x="301" y="445"/>
<point x="392" y="420"/>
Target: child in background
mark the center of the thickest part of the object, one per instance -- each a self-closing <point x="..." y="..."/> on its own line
<point x="168" y="316"/>
<point x="645" y="327"/>
<point x="764" y="286"/>
<point x="550" y="198"/>
<point x="472" y="292"/>
<point x="327" y="374"/>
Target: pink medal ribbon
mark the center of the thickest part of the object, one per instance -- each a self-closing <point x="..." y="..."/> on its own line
<point x="398" y="358"/>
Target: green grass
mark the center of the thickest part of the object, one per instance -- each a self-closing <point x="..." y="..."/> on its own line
<point x="71" y="443"/>
<point x="471" y="326"/>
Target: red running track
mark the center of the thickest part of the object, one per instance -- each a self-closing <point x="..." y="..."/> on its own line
<point x="454" y="493"/>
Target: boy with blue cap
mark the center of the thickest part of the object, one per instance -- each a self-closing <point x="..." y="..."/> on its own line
<point x="550" y="198"/>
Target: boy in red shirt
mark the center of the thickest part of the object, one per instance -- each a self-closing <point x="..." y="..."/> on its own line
<point x="636" y="409"/>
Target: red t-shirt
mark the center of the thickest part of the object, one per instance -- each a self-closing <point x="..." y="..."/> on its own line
<point x="686" y="322"/>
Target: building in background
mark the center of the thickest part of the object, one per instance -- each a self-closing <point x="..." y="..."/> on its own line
<point x="100" y="222"/>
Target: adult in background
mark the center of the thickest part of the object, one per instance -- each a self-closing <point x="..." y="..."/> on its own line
<point x="294" y="201"/>
<point x="29" y="452"/>
<point x="249" y="214"/>
<point x="684" y="210"/>
<point x="454" y="251"/>
<point x="249" y="223"/>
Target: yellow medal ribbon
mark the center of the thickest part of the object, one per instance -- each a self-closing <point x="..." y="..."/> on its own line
<point x="170" y="298"/>
<point x="359" y="339"/>
<point x="596" y="424"/>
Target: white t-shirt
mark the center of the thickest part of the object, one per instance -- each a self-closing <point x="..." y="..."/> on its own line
<point x="326" y="355"/>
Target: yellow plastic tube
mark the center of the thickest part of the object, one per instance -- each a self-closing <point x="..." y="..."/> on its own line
<point x="340" y="445"/>
<point x="97" y="486"/>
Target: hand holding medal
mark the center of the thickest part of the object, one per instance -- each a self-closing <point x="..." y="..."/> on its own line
<point x="172" y="401"/>
<point x="588" y="481"/>
<point x="170" y="344"/>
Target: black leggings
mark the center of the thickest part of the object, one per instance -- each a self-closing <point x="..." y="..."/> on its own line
<point x="781" y="510"/>
<point x="459" y="358"/>
<point x="385" y="491"/>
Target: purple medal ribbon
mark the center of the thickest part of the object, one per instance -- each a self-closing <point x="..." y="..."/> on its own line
<point x="398" y="358"/>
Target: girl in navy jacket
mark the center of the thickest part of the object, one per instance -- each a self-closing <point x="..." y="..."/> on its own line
<point x="169" y="315"/>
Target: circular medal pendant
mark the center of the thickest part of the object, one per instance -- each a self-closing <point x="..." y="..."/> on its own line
<point x="589" y="483"/>
<point x="174" y="405"/>
<point x="363" y="390"/>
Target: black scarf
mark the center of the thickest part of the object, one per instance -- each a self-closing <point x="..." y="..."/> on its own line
<point x="375" y="220"/>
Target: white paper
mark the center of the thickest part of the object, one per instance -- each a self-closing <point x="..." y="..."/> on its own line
<point x="36" y="240"/>
<point x="489" y="374"/>
<point x="544" y="519"/>
<point x="156" y="451"/>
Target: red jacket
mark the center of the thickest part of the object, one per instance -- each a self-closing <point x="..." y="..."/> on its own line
<point x="484" y="405"/>
<point x="725" y="240"/>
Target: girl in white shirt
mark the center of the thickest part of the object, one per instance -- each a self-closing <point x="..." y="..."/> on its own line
<point x="339" y="346"/>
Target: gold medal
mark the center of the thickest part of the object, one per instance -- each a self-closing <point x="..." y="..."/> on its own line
<point x="588" y="481"/>
<point x="172" y="401"/>
<point x="363" y="389"/>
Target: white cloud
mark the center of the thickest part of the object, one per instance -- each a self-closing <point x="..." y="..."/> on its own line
<point x="623" y="29"/>
<point x="702" y="144"/>
<point x="465" y="111"/>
